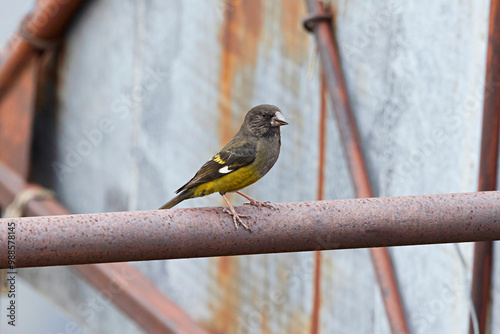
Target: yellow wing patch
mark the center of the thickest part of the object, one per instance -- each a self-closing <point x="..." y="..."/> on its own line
<point x="236" y="180"/>
<point x="218" y="159"/>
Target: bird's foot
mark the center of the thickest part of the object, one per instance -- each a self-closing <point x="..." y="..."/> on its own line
<point x="236" y="218"/>
<point x="256" y="203"/>
<point x="260" y="205"/>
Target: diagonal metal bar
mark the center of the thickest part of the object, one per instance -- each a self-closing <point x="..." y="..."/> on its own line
<point x="16" y="127"/>
<point x="488" y="169"/>
<point x="292" y="227"/>
<point x="163" y="316"/>
<point x="133" y="293"/>
<point x="319" y="24"/>
<point x="40" y="29"/>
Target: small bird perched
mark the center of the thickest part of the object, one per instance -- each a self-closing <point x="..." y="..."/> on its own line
<point x="247" y="157"/>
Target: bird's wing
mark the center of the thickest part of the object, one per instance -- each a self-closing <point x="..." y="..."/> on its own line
<point x="223" y="163"/>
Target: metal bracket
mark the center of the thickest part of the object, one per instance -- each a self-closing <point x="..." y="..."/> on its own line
<point x="36" y="41"/>
<point x="312" y="19"/>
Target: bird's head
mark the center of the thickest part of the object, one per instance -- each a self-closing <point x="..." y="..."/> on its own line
<point x="264" y="119"/>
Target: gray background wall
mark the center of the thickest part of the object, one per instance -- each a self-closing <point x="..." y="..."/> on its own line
<point x="166" y="83"/>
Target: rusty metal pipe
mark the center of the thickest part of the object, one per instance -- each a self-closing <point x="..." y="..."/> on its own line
<point x="332" y="70"/>
<point x="40" y="29"/>
<point x="488" y="168"/>
<point x="292" y="227"/>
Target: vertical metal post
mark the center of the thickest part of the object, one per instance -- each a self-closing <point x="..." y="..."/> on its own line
<point x="315" y="316"/>
<point x="488" y="168"/>
<point x="352" y="147"/>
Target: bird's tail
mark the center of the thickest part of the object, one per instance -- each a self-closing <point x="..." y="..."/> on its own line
<point x="177" y="199"/>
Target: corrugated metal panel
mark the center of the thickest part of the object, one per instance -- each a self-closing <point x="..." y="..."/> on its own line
<point x="151" y="89"/>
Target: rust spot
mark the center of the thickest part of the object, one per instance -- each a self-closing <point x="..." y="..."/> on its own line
<point x="224" y="267"/>
<point x="294" y="37"/>
<point x="227" y="305"/>
<point x="320" y="196"/>
<point x="294" y="46"/>
<point x="240" y="34"/>
<point x="298" y="323"/>
<point x="265" y="329"/>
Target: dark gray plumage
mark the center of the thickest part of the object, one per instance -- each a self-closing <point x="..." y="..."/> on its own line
<point x="246" y="158"/>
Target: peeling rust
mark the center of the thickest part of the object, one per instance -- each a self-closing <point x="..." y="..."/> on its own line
<point x="240" y="36"/>
<point x="228" y="307"/>
<point x="294" y="44"/>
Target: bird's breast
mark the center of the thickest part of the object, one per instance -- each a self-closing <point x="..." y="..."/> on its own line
<point x="268" y="151"/>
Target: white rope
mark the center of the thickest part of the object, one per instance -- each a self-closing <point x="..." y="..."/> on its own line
<point x="16" y="208"/>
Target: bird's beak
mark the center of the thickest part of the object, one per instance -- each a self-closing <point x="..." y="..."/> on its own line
<point x="278" y="119"/>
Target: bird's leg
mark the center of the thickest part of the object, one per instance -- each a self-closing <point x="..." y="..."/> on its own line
<point x="256" y="203"/>
<point x="232" y="212"/>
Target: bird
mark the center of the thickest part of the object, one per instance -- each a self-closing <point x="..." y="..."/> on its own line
<point x="244" y="160"/>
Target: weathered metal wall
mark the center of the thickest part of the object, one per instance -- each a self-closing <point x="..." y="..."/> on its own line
<point x="149" y="90"/>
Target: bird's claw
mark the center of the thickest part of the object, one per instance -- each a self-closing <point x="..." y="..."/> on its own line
<point x="260" y="205"/>
<point x="236" y="218"/>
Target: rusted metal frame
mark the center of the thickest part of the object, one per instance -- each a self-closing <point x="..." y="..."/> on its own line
<point x="16" y="118"/>
<point x="157" y="314"/>
<point x="40" y="30"/>
<point x="127" y="288"/>
<point x="318" y="23"/>
<point x="488" y="169"/>
<point x="136" y="296"/>
<point x="292" y="227"/>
